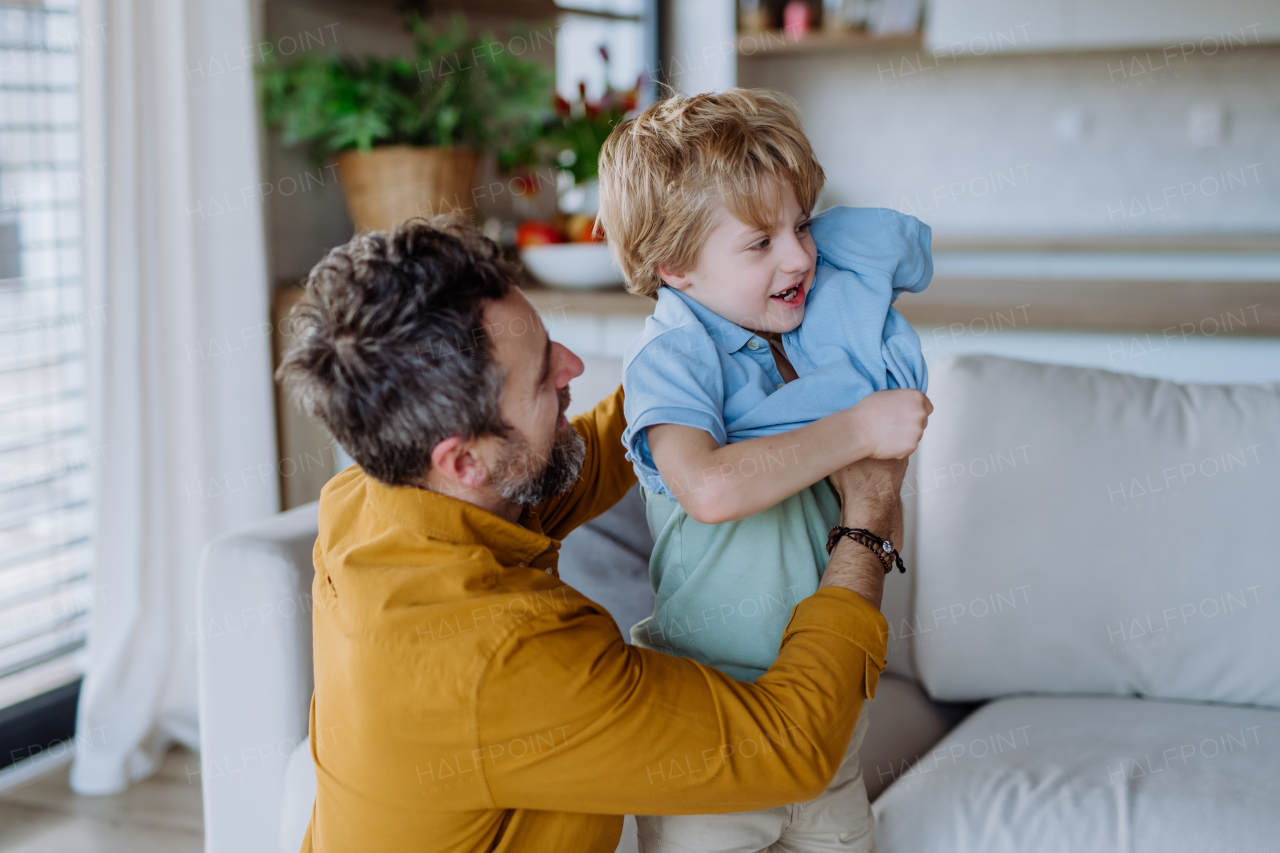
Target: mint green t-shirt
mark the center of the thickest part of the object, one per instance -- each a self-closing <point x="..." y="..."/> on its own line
<point x="725" y="591"/>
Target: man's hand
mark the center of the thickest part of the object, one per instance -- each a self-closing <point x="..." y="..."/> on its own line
<point x="870" y="482"/>
<point x="870" y="498"/>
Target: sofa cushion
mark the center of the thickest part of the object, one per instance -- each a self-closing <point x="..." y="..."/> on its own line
<point x="1080" y="531"/>
<point x="1095" y="775"/>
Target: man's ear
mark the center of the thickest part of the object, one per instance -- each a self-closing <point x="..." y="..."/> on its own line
<point x="456" y="462"/>
<point x="678" y="280"/>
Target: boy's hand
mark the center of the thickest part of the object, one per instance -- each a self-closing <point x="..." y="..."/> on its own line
<point x="890" y="423"/>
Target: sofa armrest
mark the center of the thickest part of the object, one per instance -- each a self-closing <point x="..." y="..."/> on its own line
<point x="254" y="673"/>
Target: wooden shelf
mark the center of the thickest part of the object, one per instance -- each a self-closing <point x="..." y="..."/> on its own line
<point x="1180" y="243"/>
<point x="779" y="42"/>
<point x="1097" y="305"/>
<point x="554" y="301"/>
<point x="1084" y="305"/>
<point x="392" y="9"/>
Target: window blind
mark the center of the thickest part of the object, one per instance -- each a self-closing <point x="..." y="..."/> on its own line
<point x="46" y="460"/>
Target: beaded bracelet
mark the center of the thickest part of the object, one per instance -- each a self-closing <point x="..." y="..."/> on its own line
<point x="882" y="548"/>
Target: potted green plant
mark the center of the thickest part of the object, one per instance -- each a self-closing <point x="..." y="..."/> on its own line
<point x="580" y="128"/>
<point x="408" y="132"/>
<point x="568" y="254"/>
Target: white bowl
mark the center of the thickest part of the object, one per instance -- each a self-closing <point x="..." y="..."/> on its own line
<point x="581" y="266"/>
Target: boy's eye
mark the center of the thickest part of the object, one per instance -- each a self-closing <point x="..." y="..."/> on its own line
<point x="763" y="244"/>
<point x="803" y="227"/>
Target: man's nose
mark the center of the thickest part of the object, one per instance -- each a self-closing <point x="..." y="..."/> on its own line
<point x="568" y="365"/>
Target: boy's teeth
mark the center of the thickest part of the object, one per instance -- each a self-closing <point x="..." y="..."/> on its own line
<point x="788" y="294"/>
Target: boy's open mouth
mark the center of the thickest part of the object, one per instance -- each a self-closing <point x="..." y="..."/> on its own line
<point x="792" y="295"/>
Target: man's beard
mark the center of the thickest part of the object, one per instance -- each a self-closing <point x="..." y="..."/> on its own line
<point x="526" y="477"/>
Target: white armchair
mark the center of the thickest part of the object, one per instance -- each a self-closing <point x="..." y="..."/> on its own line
<point x="255" y="681"/>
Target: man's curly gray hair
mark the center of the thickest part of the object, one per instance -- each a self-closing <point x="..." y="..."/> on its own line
<point x="391" y="352"/>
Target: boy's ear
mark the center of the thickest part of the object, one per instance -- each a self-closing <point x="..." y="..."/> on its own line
<point x="678" y="280"/>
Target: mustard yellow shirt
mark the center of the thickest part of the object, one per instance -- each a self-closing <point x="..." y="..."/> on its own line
<point x="467" y="700"/>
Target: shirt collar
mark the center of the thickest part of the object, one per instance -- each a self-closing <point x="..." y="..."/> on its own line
<point x="730" y="336"/>
<point x="460" y="522"/>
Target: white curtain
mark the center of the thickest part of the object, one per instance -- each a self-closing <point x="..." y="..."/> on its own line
<point x="180" y="372"/>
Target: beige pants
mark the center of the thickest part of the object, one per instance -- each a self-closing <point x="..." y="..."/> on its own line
<point x="839" y="819"/>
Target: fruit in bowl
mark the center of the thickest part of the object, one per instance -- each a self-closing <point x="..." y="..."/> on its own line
<point x="570" y="258"/>
<point x="535" y="233"/>
<point x="578" y="228"/>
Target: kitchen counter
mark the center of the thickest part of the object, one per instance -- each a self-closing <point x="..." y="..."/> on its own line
<point x="1235" y="307"/>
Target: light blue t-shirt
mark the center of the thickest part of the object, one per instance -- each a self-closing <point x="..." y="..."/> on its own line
<point x="690" y="366"/>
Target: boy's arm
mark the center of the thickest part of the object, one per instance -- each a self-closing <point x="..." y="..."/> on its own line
<point x="715" y="483"/>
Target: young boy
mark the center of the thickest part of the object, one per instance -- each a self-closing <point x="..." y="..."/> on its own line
<point x="768" y="364"/>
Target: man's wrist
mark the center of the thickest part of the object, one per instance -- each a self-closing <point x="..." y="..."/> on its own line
<point x="856" y="569"/>
<point x="873" y="498"/>
<point x="876" y="514"/>
<point x="851" y="565"/>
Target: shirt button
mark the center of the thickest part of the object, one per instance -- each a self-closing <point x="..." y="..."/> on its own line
<point x="753" y="344"/>
<point x="548" y="570"/>
<point x="522" y="564"/>
<point x="779" y="385"/>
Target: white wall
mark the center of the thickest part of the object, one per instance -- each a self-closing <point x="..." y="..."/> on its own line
<point x="701" y="45"/>
<point x="1090" y="24"/>
<point x="1107" y="143"/>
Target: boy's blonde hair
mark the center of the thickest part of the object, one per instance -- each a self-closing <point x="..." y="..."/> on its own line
<point x="664" y="172"/>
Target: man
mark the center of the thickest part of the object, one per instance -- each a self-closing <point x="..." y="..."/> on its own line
<point x="465" y="698"/>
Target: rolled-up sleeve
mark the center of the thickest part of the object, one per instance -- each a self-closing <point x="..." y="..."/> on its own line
<point x="587" y="723"/>
<point x="853" y="341"/>
<point x="891" y="246"/>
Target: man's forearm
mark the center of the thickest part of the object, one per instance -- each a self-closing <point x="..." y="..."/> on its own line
<point x="853" y="566"/>
<point x="871" y="498"/>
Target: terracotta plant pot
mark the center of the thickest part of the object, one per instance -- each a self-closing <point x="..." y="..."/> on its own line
<point x="388" y="185"/>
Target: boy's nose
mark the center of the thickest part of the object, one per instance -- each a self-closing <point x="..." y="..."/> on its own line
<point x="796" y="256"/>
